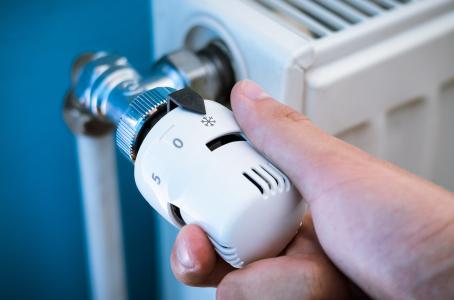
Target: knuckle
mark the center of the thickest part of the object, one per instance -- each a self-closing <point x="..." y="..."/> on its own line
<point x="285" y="113"/>
<point x="296" y="117"/>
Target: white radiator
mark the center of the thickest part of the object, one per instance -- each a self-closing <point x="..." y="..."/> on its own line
<point x="377" y="73"/>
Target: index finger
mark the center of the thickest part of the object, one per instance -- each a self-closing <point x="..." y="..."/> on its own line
<point x="194" y="261"/>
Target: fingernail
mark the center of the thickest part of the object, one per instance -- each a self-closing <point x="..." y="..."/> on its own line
<point x="252" y="90"/>
<point x="183" y="255"/>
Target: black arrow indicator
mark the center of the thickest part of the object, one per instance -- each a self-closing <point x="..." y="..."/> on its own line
<point x="188" y="99"/>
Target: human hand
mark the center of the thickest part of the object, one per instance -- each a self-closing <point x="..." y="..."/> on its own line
<point x="302" y="271"/>
<point x="389" y="231"/>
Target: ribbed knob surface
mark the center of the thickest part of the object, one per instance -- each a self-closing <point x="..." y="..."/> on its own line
<point x="140" y="109"/>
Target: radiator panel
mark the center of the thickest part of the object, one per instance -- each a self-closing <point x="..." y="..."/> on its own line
<point x="379" y="74"/>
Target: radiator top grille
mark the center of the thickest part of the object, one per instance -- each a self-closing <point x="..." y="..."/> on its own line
<point x="321" y="18"/>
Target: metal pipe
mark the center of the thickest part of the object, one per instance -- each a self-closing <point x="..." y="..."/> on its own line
<point x="98" y="177"/>
<point x="103" y="86"/>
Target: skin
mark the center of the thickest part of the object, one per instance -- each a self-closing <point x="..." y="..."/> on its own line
<point x="389" y="232"/>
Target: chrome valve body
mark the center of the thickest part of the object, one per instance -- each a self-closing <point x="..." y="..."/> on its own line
<point x="107" y="91"/>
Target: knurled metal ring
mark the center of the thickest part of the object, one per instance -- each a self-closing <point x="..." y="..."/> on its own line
<point x="140" y="109"/>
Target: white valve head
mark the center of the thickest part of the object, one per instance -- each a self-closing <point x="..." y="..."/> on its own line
<point x="198" y="168"/>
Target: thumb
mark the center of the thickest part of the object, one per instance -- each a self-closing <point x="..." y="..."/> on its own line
<point x="371" y="217"/>
<point x="314" y="160"/>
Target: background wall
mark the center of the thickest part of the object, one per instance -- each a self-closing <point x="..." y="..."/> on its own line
<point x="42" y="242"/>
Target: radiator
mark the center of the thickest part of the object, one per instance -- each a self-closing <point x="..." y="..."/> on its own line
<point x="378" y="74"/>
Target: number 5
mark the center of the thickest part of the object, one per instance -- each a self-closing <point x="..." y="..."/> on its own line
<point x="156" y="178"/>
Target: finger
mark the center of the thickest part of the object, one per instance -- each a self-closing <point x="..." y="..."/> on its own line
<point x="194" y="261"/>
<point x="369" y="215"/>
<point x="305" y="242"/>
<point x="285" y="278"/>
<point x="314" y="160"/>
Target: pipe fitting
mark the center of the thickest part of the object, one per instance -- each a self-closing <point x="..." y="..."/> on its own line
<point x="107" y="91"/>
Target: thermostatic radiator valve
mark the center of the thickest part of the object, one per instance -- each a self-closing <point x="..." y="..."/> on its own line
<point x="192" y="162"/>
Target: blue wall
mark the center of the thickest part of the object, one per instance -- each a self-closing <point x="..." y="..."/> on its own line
<point x="42" y="242"/>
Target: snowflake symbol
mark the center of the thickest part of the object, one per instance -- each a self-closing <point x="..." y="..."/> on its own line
<point x="208" y="121"/>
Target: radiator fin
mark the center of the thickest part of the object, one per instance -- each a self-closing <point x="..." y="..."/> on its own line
<point x="321" y="18"/>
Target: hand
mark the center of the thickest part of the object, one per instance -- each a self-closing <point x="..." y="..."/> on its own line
<point x="389" y="231"/>
<point x="302" y="271"/>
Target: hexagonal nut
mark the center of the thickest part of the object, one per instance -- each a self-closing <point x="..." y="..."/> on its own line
<point x="190" y="66"/>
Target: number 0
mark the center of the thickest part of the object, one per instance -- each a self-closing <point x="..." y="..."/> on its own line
<point x="178" y="143"/>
